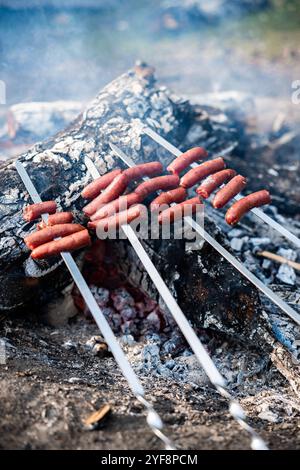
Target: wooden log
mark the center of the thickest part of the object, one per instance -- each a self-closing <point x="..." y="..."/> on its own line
<point x="207" y="288"/>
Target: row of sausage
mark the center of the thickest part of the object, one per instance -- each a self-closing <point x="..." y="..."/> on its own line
<point x="112" y="205"/>
<point x="108" y="199"/>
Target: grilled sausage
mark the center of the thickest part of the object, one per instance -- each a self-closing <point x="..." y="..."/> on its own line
<point x="231" y="189"/>
<point x="186" y="159"/>
<point x="175" y="195"/>
<point x="118" y="205"/>
<point x="177" y="212"/>
<point x="69" y="243"/>
<point x="95" y="187"/>
<point x="160" y="182"/>
<point x="244" y="205"/>
<point x="144" y="169"/>
<point x="113" y="190"/>
<point x="55" y="219"/>
<point x="202" y="171"/>
<point x="49" y="233"/>
<point x="34" y="211"/>
<point x="115" y="221"/>
<point x="214" y="181"/>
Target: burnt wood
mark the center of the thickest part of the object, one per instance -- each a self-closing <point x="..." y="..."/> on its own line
<point x="207" y="288"/>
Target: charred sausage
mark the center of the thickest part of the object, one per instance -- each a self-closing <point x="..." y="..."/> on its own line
<point x="34" y="211"/>
<point x="202" y="171"/>
<point x="160" y="182"/>
<point x="178" y="211"/>
<point x="55" y="219"/>
<point x="49" y="233"/>
<point x="113" y="190"/>
<point x="69" y="243"/>
<point x="175" y="195"/>
<point x="115" y="221"/>
<point x="214" y="181"/>
<point x="95" y="187"/>
<point x="186" y="159"/>
<point x="144" y="169"/>
<point x="231" y="189"/>
<point x="244" y="205"/>
<point x="118" y="205"/>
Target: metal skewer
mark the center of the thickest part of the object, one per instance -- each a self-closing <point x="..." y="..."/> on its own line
<point x="165" y="293"/>
<point x="201" y="354"/>
<point x="225" y="253"/>
<point x="258" y="212"/>
<point x="153" y="419"/>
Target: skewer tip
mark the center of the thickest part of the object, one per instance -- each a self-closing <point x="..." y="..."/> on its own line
<point x="154" y="420"/>
<point x="258" y="444"/>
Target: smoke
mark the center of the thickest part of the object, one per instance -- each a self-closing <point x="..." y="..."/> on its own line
<point x="61" y="50"/>
<point x="2" y="92"/>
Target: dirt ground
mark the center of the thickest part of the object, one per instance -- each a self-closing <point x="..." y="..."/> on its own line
<point x="47" y="389"/>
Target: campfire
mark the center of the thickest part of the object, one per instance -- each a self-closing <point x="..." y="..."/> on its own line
<point x="144" y="249"/>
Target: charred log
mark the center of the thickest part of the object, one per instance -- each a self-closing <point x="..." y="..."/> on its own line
<point x="206" y="287"/>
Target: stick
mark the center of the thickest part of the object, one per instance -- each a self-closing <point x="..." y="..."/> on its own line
<point x="279" y="259"/>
